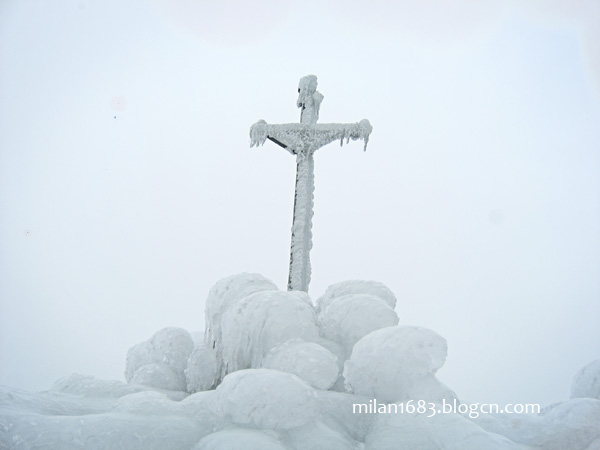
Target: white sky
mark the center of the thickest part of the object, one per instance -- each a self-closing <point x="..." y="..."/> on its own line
<point x="477" y="201"/>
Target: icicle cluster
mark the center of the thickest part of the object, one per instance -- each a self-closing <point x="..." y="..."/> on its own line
<point x="300" y="137"/>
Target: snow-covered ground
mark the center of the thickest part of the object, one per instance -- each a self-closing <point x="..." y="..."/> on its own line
<point x="275" y="371"/>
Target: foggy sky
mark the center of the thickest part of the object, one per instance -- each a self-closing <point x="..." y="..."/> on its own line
<point x="128" y="188"/>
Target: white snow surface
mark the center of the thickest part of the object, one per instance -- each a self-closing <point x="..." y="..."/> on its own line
<point x="310" y="361"/>
<point x="290" y="408"/>
<point x="586" y="382"/>
<point x="348" y="318"/>
<point x="356" y="287"/>
<point x="391" y="363"/>
<point x="259" y="322"/>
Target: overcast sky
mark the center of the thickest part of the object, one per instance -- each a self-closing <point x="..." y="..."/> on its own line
<point x="128" y="188"/>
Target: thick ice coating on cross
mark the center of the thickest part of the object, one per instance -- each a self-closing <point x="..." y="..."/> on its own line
<point x="303" y="140"/>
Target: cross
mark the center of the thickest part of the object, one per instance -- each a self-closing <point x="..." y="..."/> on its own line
<point x="303" y="139"/>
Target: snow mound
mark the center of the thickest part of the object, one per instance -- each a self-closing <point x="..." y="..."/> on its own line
<point x="234" y="437"/>
<point x="586" y="382"/>
<point x="201" y="371"/>
<point x="259" y="322"/>
<point x="309" y="361"/>
<point x="88" y="386"/>
<point x="350" y="317"/>
<point x="264" y="398"/>
<point x="159" y="376"/>
<point x="439" y="432"/>
<point x="220" y="298"/>
<point x="572" y="425"/>
<point x="160" y="361"/>
<point x="356" y="287"/>
<point x="391" y="363"/>
<point x="146" y="403"/>
<point x="316" y="435"/>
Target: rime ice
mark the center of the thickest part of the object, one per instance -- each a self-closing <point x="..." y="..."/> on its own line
<point x="303" y="140"/>
<point x="281" y="361"/>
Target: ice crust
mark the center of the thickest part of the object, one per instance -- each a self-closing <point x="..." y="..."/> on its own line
<point x="279" y="385"/>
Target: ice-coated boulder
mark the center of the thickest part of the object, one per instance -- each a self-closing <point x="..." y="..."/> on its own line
<point x="146" y="403"/>
<point x="159" y="376"/>
<point x="259" y="322"/>
<point x="89" y="386"/>
<point x="311" y="362"/>
<point x="234" y="438"/>
<point x="160" y="361"/>
<point x="201" y="371"/>
<point x="356" y="287"/>
<point x="573" y="425"/>
<point x="224" y="293"/>
<point x="350" y="317"/>
<point x="390" y="363"/>
<point x="221" y="296"/>
<point x="264" y="398"/>
<point x="316" y="435"/>
<point x="171" y="346"/>
<point x="393" y="431"/>
<point x="586" y="382"/>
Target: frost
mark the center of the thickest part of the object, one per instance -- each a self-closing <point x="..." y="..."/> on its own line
<point x="586" y="382"/>
<point x="299" y="137"/>
<point x="309" y="361"/>
<point x="356" y="287"/>
<point x="160" y="361"/>
<point x="259" y="322"/>
<point x="201" y="372"/>
<point x="350" y="317"/>
<point x="391" y="363"/>
<point x="439" y="432"/>
<point x="232" y="438"/>
<point x="221" y="296"/>
<point x="159" y="376"/>
<point x="264" y="398"/>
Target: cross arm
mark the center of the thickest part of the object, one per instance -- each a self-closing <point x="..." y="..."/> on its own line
<point x="295" y="137"/>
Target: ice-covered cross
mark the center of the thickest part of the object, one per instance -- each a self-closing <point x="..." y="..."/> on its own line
<point x="303" y="139"/>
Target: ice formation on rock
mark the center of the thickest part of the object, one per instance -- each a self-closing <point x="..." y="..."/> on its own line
<point x="311" y="362"/>
<point x="201" y="371"/>
<point x="356" y="287"/>
<point x="233" y="438"/>
<point x="264" y="398"/>
<point x="259" y="322"/>
<point x="350" y="317"/>
<point x="160" y="362"/>
<point x="221" y="296"/>
<point x="390" y="363"/>
<point x="586" y="382"/>
<point x="264" y="408"/>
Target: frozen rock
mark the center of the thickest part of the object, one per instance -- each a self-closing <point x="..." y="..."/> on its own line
<point x="311" y="362"/>
<point x="439" y="432"/>
<point x="163" y="359"/>
<point x="318" y="436"/>
<point x="234" y="438"/>
<point x="259" y="322"/>
<point x="171" y="346"/>
<point x="137" y="356"/>
<point x="356" y="287"/>
<point x="336" y="410"/>
<point x="201" y="371"/>
<point x="146" y="403"/>
<point x="220" y="297"/>
<point x="160" y="376"/>
<point x="264" y="398"/>
<point x="388" y="364"/>
<point x="90" y="386"/>
<point x="350" y="317"/>
<point x="575" y="424"/>
<point x="586" y="382"/>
